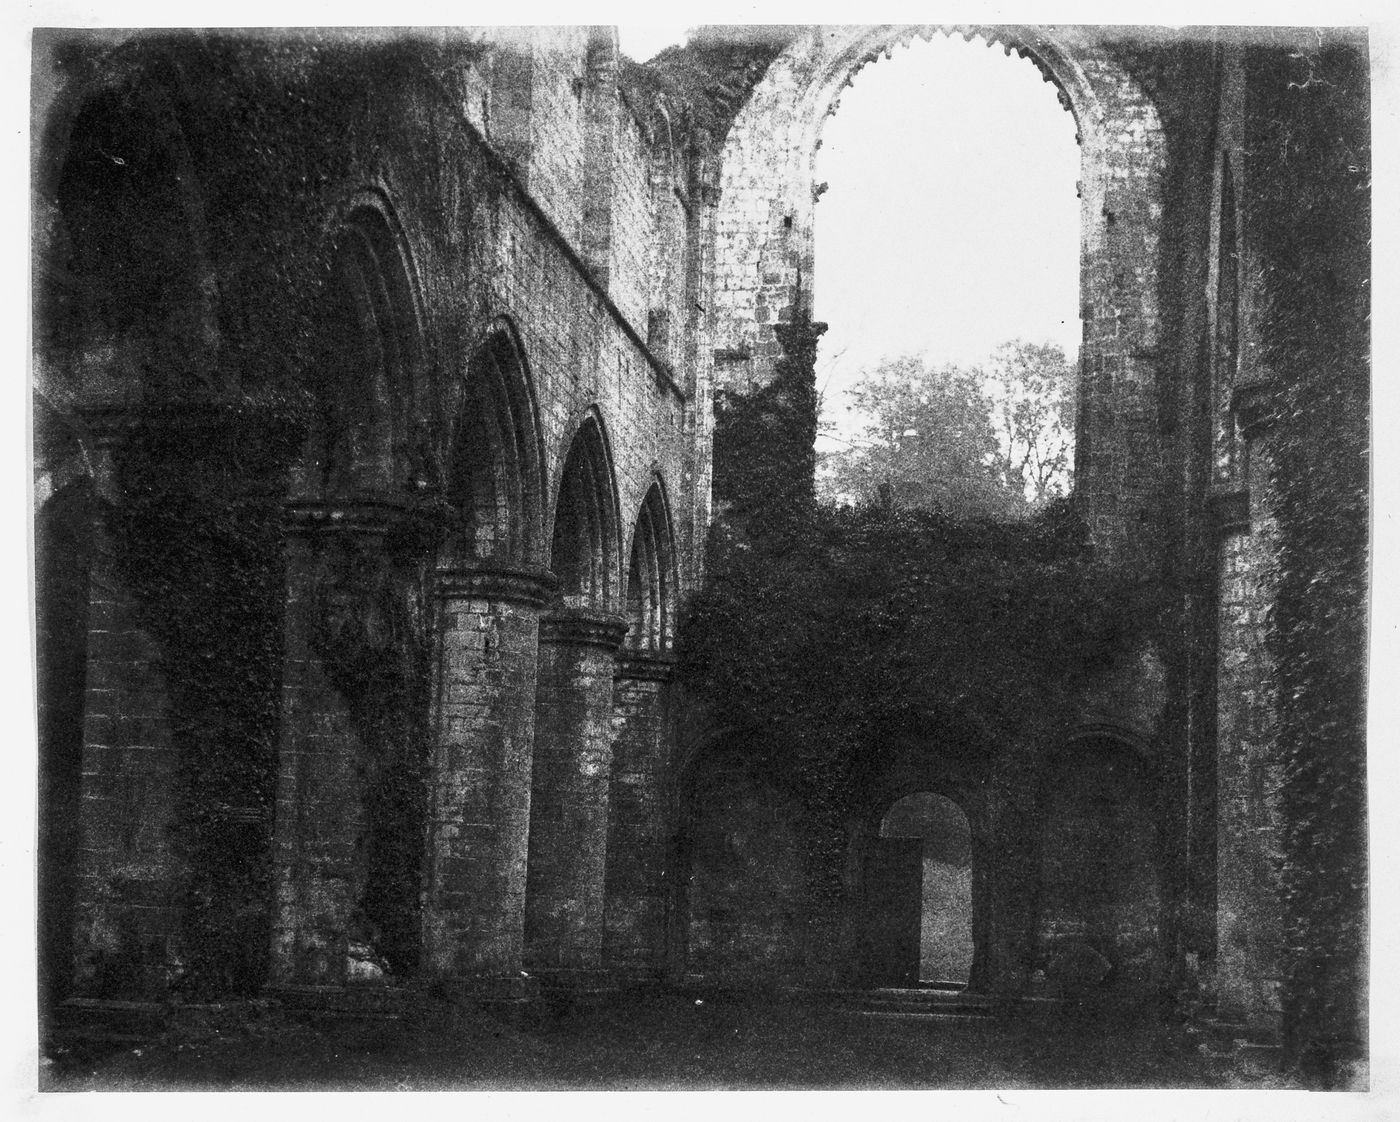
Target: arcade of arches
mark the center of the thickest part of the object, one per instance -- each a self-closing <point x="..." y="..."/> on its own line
<point x="373" y="477"/>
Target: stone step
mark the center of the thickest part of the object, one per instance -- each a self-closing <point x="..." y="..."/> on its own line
<point x="577" y="990"/>
<point x="923" y="1016"/>
<point x="116" y="1019"/>
<point x="910" y="1001"/>
<point x="356" y="1002"/>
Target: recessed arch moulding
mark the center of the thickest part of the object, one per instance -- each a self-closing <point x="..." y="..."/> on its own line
<point x="764" y="254"/>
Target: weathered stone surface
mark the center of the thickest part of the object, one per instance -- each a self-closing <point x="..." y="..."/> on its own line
<point x="489" y="243"/>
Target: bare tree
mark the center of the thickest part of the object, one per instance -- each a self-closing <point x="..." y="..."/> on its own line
<point x="1033" y="395"/>
<point x="994" y="440"/>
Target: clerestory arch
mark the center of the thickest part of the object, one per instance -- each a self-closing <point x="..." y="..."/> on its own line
<point x="125" y="282"/>
<point x="372" y="360"/>
<point x="651" y="577"/>
<point x="495" y="471"/>
<point x="585" y="554"/>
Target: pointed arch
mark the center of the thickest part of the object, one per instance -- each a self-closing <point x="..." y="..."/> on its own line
<point x="584" y="547"/>
<point x="651" y="575"/>
<point x="371" y="355"/>
<point x="495" y="468"/>
<point x="766" y="215"/>
<point x="126" y="284"/>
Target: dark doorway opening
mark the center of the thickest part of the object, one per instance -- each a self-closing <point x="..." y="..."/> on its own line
<point x="918" y="895"/>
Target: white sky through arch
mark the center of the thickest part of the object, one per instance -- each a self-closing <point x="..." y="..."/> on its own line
<point x="950" y="223"/>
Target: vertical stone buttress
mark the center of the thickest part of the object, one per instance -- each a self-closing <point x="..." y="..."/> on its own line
<point x="1118" y="454"/>
<point x="129" y="906"/>
<point x="479" y="785"/>
<point x="1249" y="914"/>
<point x="599" y="179"/>
<point x="702" y="189"/>
<point x="569" y="796"/>
<point x="634" y="906"/>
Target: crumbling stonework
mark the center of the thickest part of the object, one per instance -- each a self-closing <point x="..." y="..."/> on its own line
<point x="394" y="361"/>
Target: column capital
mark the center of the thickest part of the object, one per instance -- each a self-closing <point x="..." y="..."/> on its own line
<point x="1254" y="408"/>
<point x="513" y="584"/>
<point x="645" y="666"/>
<point x="365" y="515"/>
<point x="581" y="627"/>
<point x="1229" y="510"/>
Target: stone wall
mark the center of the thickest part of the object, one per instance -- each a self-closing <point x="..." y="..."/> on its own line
<point x="554" y="256"/>
<point x="1248" y="776"/>
<point x="480" y="184"/>
<point x="746" y="878"/>
<point x="638" y="816"/>
<point x="130" y="871"/>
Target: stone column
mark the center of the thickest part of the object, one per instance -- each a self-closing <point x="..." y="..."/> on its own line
<point x="129" y="903"/>
<point x="479" y="785"/>
<point x="634" y="910"/>
<point x="569" y="792"/>
<point x="319" y="812"/>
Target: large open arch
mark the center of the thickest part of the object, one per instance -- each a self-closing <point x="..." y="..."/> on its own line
<point x="127" y="332"/>
<point x="765" y="263"/>
<point x="564" y="887"/>
<point x="354" y="579"/>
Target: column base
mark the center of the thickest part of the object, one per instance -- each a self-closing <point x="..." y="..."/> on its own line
<point x="350" y="1002"/>
<point x="511" y="997"/>
<point x="576" y="989"/>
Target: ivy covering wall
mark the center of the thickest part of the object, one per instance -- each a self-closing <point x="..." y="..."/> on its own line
<point x="1310" y="217"/>
<point x="825" y="634"/>
<point x="274" y="131"/>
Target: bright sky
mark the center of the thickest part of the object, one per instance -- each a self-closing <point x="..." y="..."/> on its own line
<point x="950" y="223"/>
<point x="640" y="41"/>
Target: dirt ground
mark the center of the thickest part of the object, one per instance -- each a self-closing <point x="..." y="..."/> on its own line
<point x="664" y="1042"/>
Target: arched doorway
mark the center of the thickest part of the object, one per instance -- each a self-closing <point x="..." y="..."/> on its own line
<point x="918" y="895"/>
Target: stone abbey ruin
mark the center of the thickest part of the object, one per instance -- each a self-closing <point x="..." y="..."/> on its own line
<point x="387" y="391"/>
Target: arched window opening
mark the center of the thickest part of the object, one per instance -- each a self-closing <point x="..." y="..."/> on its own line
<point x="480" y="482"/>
<point x="649" y="577"/>
<point x="951" y="381"/>
<point x="584" y="526"/>
<point x="927" y="837"/>
<point x="367" y="371"/>
<point x="493" y="467"/>
<point x="129" y="294"/>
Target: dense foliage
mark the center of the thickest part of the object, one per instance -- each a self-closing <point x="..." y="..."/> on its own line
<point x="263" y="135"/>
<point x="1313" y="221"/>
<point x="823" y="636"/>
<point x="992" y="439"/>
